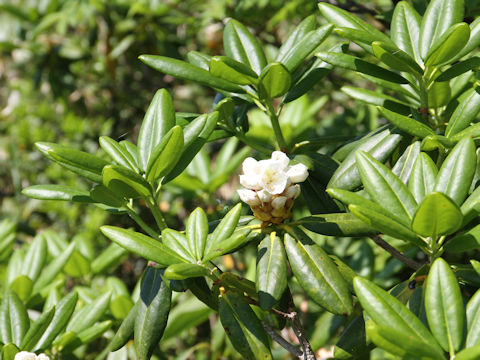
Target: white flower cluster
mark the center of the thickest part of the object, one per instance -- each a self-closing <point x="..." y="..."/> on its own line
<point x="270" y="187"/>
<point x="25" y="355"/>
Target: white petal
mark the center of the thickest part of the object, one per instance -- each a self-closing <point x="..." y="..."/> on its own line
<point x="273" y="178"/>
<point x="43" y="357"/>
<point x="279" y="202"/>
<point x="248" y="196"/>
<point x="25" y="355"/>
<point x="251" y="182"/>
<point x="297" y="173"/>
<point x="249" y="166"/>
<point x="280" y="157"/>
<point x="264" y="195"/>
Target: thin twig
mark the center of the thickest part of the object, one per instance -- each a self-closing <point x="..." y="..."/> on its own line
<point x="281" y="341"/>
<point x="395" y="253"/>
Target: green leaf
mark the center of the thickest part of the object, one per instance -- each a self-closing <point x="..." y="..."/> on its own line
<point x="296" y="35"/>
<point x="350" y="62"/>
<point x="444" y="306"/>
<point x="447" y="46"/>
<point x="377" y="98"/>
<point x="473" y="131"/>
<point x="57" y="192"/>
<point x="423" y="177"/>
<point x="456" y="174"/>
<point x="380" y="146"/>
<point x="353" y="342"/>
<point x="407" y="124"/>
<point x="439" y="94"/>
<point x="152" y="312"/>
<point x="464" y="114"/>
<point x="89" y="314"/>
<point x="125" y="183"/>
<point x="473" y="41"/>
<point x="318" y="201"/>
<point x="396" y="58"/>
<point x="271" y="278"/>
<point x="405" y="29"/>
<point x="437" y="215"/>
<point x="142" y="245"/>
<point x="469" y="240"/>
<point x="63" y="313"/>
<point x="102" y="194"/>
<point x="118" y="153"/>
<point x="473" y="320"/>
<point x="386" y="224"/>
<point x="242" y="46"/>
<point x="360" y="37"/>
<point x="404" y="165"/>
<point x="304" y="48"/>
<point x="108" y="258"/>
<point x="35" y="258"/>
<point x="341" y="224"/>
<point x="274" y="81"/>
<point x="243" y="327"/>
<point x="186" y="71"/>
<point x="388" y="312"/>
<point x="225" y="246"/>
<point x="185" y="271"/>
<point x="459" y="68"/>
<point x="197" y="231"/>
<point x="53" y="269"/>
<point x="9" y="351"/>
<point x="125" y="331"/>
<point x="177" y="242"/>
<point x="228" y="69"/>
<point x="158" y="120"/>
<point x="166" y="154"/>
<point x="386" y="189"/>
<point x="37" y="330"/>
<point x="79" y="162"/>
<point x="468" y="354"/>
<point x="318" y="275"/>
<point x="199" y="59"/>
<point x="439" y="16"/>
<point x="14" y="320"/>
<point x="23" y="286"/>
<point x="470" y="206"/>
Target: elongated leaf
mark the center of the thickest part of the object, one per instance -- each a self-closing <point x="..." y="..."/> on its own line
<point x="437" y="215"/>
<point x="177" y="242"/>
<point x="166" y="154"/>
<point x="225" y="228"/>
<point x="118" y="153"/>
<point x="243" y="327"/>
<point x="385" y="188"/>
<point x="459" y="68"/>
<point x="274" y="81"/>
<point x="152" y="312"/>
<point x="125" y="183"/>
<point x="185" y="271"/>
<point x="184" y="70"/>
<point x="271" y="278"/>
<point x="354" y="198"/>
<point x="405" y="29"/>
<point x="469" y="353"/>
<point x="90" y="313"/>
<point x="37" y="329"/>
<point x="35" y="258"/>
<point x="377" y="98"/>
<point x="9" y="351"/>
<point x="473" y="131"/>
<point x="318" y="275"/>
<point x="63" y="313"/>
<point x="409" y="125"/>
<point x="439" y="94"/>
<point x="14" y="320"/>
<point x="108" y="258"/>
<point x="350" y="62"/>
<point x="352" y="342"/>
<point x="53" y="269"/>
<point x="297" y="34"/>
<point x="142" y="245"/>
<point x="103" y="195"/>
<point x="457" y="171"/>
<point x="473" y="320"/>
<point x="444" y="306"/>
<point x="395" y="58"/>
<point x="386" y="224"/>
<point x="228" y="69"/>
<point x="423" y="177"/>
<point x="242" y="46"/>
<point x="197" y="231"/>
<point x="469" y="240"/>
<point x="388" y="312"/>
<point x="304" y="48"/>
<point x="57" y="192"/>
<point x="447" y="46"/>
<point x="404" y="165"/>
<point x="199" y="59"/>
<point x="380" y="146"/>
<point x="226" y="246"/>
<point x="360" y="37"/>
<point x="473" y="41"/>
<point x="464" y="114"/>
<point x="342" y="224"/>
<point x="439" y="16"/>
<point x="125" y="331"/>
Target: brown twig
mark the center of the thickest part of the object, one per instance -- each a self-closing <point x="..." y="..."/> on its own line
<point x="281" y="341"/>
<point x="395" y="253"/>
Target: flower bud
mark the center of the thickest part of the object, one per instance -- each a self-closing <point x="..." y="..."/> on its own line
<point x="43" y="357"/>
<point x="297" y="173"/>
<point x="248" y="196"/>
<point x="25" y="355"/>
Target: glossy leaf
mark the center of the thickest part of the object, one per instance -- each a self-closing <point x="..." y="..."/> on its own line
<point x="177" y="242"/>
<point x="152" y="312"/>
<point x="388" y="312"/>
<point x="14" y="320"/>
<point x="304" y="48"/>
<point x="197" y="231"/>
<point x="297" y="34"/>
<point x="376" y="98"/>
<point x="352" y="342"/>
<point x="53" y="269"/>
<point x="469" y="240"/>
<point x="225" y="228"/>
<point x="243" y="328"/>
<point x="385" y="188"/>
<point x="199" y="59"/>
<point x="405" y="29"/>
<point x="35" y="258"/>
<point x="404" y="165"/>
<point x="354" y="198"/>
<point x="90" y="313"/>
<point x="468" y="353"/>
<point x="125" y="331"/>
<point x="457" y="171"/>
<point x="407" y="124"/>
<point x="423" y="177"/>
<point x="358" y="36"/>
<point x="225" y="246"/>
<point x="439" y="94"/>
<point x="142" y="245"/>
<point x="271" y="278"/>
<point x="242" y="46"/>
<point x="185" y="271"/>
<point x="102" y="194"/>
<point x="318" y="275"/>
<point x="395" y="58"/>
<point x="37" y="329"/>
<point x="437" y="215"/>
<point x="439" y="16"/>
<point x="184" y="70"/>
<point x="108" y="258"/>
<point x="125" y="183"/>
<point x="274" y="81"/>
<point x="57" y="192"/>
<point x="444" y="306"/>
<point x="464" y="114"/>
<point x="350" y="62"/>
<point x="473" y="41"/>
<point x="447" y="46"/>
<point x="228" y="69"/>
<point x="118" y="153"/>
<point x="459" y="68"/>
<point x="473" y="321"/>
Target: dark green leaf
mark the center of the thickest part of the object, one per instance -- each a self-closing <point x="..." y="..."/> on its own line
<point x="459" y="69"/>
<point x="274" y="81"/>
<point x="396" y="58"/>
<point x="37" y="330"/>
<point x="225" y="246"/>
<point x="473" y="41"/>
<point x="57" y="192"/>
<point x="353" y="342"/>
<point x="53" y="269"/>
<point x="14" y="320"/>
<point x="224" y="229"/>
<point x="469" y="240"/>
<point x="405" y="29"/>
<point x="125" y="331"/>
<point x="377" y="98"/>
<point x="102" y="194"/>
<point x="407" y="124"/>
